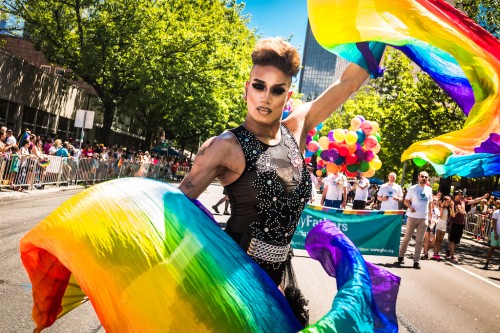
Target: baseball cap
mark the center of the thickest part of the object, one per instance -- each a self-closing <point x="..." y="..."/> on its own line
<point x="458" y="192"/>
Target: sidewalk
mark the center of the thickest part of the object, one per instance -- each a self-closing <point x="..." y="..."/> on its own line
<point x="7" y="195"/>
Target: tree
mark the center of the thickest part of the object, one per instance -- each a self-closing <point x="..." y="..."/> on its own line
<point x="484" y="12"/>
<point x="126" y="48"/>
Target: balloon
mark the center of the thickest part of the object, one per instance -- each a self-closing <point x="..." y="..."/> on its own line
<point x="333" y="145"/>
<point x="308" y="139"/>
<point x="361" y="136"/>
<point x="308" y="153"/>
<point x="351" y="137"/>
<point x="320" y="163"/>
<point x="351" y="159"/>
<point x="312" y="132"/>
<point x="369" y="155"/>
<point x="307" y="160"/>
<point x="352" y="148"/>
<point x="376" y="149"/>
<point x="320" y="126"/>
<point x="323" y="142"/>
<point x="330" y="135"/>
<point x="376" y="164"/>
<point x="369" y="173"/>
<point x="361" y="118"/>
<point x="332" y="168"/>
<point x="360" y="153"/>
<point x="366" y="126"/>
<point x="340" y="160"/>
<point x="375" y="127"/>
<point x="364" y="166"/>
<point x="313" y="146"/>
<point x="318" y="152"/>
<point x="419" y="162"/>
<point x="350" y="174"/>
<point x="316" y="137"/>
<point x="352" y="167"/>
<point x="319" y="173"/>
<point x="377" y="136"/>
<point x="325" y="155"/>
<point x="370" y="142"/>
<point x="355" y="123"/>
<point x="285" y="114"/>
<point x="343" y="150"/>
<point x="339" y="135"/>
<point x="333" y="154"/>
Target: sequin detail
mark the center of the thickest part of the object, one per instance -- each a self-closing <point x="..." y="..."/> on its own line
<point x="279" y="213"/>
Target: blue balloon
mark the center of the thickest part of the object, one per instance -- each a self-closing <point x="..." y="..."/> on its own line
<point x="309" y="153"/>
<point x="340" y="160"/>
<point x="361" y="136"/>
<point x="319" y="127"/>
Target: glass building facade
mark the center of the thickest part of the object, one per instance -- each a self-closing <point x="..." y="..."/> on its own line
<point x="320" y="68"/>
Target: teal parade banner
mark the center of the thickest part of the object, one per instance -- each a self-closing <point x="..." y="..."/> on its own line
<point x="372" y="231"/>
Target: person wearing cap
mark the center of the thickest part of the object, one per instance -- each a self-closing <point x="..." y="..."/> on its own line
<point x="419" y="203"/>
<point x="458" y="221"/>
<point x="10" y="140"/>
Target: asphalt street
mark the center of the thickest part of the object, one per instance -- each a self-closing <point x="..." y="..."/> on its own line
<point x="441" y="297"/>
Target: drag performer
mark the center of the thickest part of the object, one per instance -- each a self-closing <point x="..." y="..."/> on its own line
<point x="260" y="163"/>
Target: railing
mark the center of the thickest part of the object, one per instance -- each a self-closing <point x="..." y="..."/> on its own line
<point x="27" y="172"/>
<point x="478" y="225"/>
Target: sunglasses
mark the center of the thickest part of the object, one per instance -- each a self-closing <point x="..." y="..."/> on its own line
<point x="424" y="177"/>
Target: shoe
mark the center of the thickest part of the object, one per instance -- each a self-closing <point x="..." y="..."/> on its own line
<point x="426" y="257"/>
<point x="453" y="260"/>
<point x="447" y="253"/>
<point x="487" y="266"/>
<point x="401" y="260"/>
<point x="436" y="257"/>
<point x="226" y="213"/>
<point x="416" y="265"/>
<point x="215" y="209"/>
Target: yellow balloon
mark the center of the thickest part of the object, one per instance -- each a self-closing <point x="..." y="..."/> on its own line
<point x="351" y="137"/>
<point x="323" y="143"/>
<point x="339" y="135"/>
<point x="369" y="173"/>
<point x="375" y="127"/>
<point x="375" y="164"/>
<point x="376" y="149"/>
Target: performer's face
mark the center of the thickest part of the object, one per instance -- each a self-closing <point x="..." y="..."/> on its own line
<point x="267" y="93"/>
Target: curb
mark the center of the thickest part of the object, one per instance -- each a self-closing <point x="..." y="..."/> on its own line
<point x="7" y="196"/>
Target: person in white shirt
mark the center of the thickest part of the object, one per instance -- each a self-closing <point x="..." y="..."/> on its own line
<point x="335" y="191"/>
<point x="419" y="203"/>
<point x="495" y="238"/>
<point x="361" y="186"/>
<point x="10" y="140"/>
<point x="390" y="194"/>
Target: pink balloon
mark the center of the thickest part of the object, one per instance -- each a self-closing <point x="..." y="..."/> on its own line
<point x="369" y="155"/>
<point x="313" y="146"/>
<point x="370" y="142"/>
<point x="367" y="127"/>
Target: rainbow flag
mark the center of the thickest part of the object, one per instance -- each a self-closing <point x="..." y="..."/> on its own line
<point x="149" y="260"/>
<point x="462" y="57"/>
<point x="44" y="163"/>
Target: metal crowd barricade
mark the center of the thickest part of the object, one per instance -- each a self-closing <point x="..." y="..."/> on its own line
<point x="478" y="225"/>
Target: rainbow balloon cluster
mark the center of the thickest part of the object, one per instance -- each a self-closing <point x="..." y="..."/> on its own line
<point x="351" y="151"/>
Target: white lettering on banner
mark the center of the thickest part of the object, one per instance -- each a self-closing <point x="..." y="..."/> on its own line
<point x="310" y="222"/>
<point x="364" y="249"/>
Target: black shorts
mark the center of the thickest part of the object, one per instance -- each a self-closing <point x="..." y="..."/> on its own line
<point x="358" y="204"/>
<point x="456" y="231"/>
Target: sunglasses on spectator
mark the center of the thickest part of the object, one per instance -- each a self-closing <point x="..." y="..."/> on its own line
<point x="424" y="176"/>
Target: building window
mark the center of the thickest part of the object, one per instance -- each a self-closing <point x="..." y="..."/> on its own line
<point x="59" y="71"/>
<point x="44" y="68"/>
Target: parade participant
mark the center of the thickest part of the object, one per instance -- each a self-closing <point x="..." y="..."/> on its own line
<point x="390" y="194"/>
<point x="495" y="239"/>
<point x="361" y="187"/>
<point x="419" y="203"/>
<point x="259" y="163"/>
<point x="335" y="191"/>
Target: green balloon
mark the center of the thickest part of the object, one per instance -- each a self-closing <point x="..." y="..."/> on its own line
<point x="377" y="135"/>
<point x="316" y="137"/>
<point x="419" y="162"/>
<point x="353" y="167"/>
<point x="318" y="152"/>
<point x="364" y="166"/>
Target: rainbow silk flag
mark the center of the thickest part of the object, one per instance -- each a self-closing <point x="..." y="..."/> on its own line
<point x="149" y="260"/>
<point x="461" y="57"/>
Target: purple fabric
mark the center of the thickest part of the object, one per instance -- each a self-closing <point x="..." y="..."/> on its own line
<point x="490" y="145"/>
<point x="366" y="297"/>
<point x="373" y="65"/>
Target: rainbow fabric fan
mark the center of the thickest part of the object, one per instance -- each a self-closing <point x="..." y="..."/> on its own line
<point x="150" y="260"/>
<point x="461" y="57"/>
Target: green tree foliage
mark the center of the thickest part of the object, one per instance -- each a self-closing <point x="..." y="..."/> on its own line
<point x="485" y="12"/>
<point x="157" y="61"/>
<point x="407" y="104"/>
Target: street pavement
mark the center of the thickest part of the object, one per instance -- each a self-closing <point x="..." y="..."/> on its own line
<point x="441" y="297"/>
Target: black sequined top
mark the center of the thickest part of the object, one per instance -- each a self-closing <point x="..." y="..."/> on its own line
<point x="270" y="195"/>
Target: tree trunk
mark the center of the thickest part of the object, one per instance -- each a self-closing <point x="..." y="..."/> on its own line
<point x="445" y="185"/>
<point x="109" y="115"/>
<point x="148" y="140"/>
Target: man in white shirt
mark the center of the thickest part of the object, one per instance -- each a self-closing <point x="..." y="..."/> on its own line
<point x="361" y="186"/>
<point x="419" y="203"/>
<point x="10" y="140"/>
<point x="335" y="191"/>
<point x="390" y="194"/>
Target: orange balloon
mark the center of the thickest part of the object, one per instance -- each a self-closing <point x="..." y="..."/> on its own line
<point x="319" y="173"/>
<point x="332" y="168"/>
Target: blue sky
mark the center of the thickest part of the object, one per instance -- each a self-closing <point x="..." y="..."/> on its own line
<point x="279" y="18"/>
